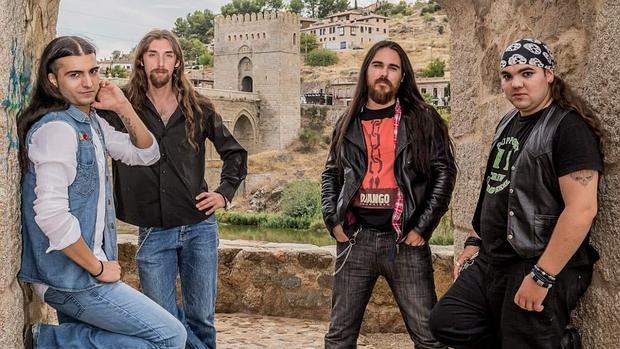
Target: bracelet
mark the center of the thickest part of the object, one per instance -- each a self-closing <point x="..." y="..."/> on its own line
<point x="473" y="241"/>
<point x="101" y="272"/>
<point x="541" y="277"/>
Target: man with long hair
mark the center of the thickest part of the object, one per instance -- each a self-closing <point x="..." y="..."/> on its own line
<point x="170" y="200"/>
<point x="533" y="218"/>
<point x="69" y="251"/>
<point x="387" y="182"/>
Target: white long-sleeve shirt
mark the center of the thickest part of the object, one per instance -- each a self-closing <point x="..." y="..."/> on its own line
<point x="52" y="150"/>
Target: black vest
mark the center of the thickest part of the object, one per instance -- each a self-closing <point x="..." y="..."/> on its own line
<point x="534" y="197"/>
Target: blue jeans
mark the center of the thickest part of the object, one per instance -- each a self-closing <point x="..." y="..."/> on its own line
<point x="110" y="316"/>
<point x="408" y="271"/>
<point x="192" y="251"/>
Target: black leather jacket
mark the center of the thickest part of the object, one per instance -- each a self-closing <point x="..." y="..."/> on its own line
<point x="426" y="200"/>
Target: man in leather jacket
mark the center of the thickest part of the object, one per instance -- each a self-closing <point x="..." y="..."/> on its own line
<point x="533" y="217"/>
<point x="387" y="182"/>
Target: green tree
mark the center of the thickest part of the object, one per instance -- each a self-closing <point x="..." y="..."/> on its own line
<point x="198" y="25"/>
<point x="206" y="59"/>
<point x="274" y="5"/>
<point x="321" y="57"/>
<point x="240" y="7"/>
<point x="116" y="55"/>
<point x="118" y="72"/>
<point x="193" y="49"/>
<point x="329" y="7"/>
<point x="296" y="6"/>
<point x="307" y="42"/>
<point x="435" y="68"/>
<point x="312" y="7"/>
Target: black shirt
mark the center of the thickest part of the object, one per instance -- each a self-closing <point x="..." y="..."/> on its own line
<point x="163" y="194"/>
<point x="575" y="147"/>
<point x="377" y="218"/>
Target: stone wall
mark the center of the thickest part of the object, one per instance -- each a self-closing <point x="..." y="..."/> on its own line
<point x="290" y="280"/>
<point x="26" y="27"/>
<point x="583" y="36"/>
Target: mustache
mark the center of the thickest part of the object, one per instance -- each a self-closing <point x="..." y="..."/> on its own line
<point x="159" y="70"/>
<point x="383" y="80"/>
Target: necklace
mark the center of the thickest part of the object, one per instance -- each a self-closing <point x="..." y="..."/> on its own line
<point x="166" y="109"/>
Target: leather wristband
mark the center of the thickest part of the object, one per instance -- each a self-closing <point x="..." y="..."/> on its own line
<point x="98" y="274"/>
<point x="472" y="241"/>
<point x="541" y="277"/>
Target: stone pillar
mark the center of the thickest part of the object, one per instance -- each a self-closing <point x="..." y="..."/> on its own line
<point x="583" y="35"/>
<point x="26" y="26"/>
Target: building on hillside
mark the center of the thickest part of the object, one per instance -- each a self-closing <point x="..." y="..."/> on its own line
<point x="349" y="30"/>
<point x="438" y="89"/>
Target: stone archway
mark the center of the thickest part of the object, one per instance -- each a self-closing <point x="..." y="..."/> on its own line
<point x="245" y="132"/>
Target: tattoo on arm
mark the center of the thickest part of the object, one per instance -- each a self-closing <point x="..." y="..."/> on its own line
<point x="131" y="130"/>
<point x="583" y="177"/>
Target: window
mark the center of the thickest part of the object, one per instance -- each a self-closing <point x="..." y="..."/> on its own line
<point x="228" y="37"/>
<point x="435" y="92"/>
<point x="384" y="31"/>
<point x="352" y="30"/>
<point x="343" y="45"/>
<point x="294" y="38"/>
<point x="341" y="30"/>
<point x="423" y="90"/>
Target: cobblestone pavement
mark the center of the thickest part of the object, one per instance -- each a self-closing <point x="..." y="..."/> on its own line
<point x="256" y="331"/>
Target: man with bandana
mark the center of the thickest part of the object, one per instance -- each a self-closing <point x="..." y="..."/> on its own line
<point x="528" y="259"/>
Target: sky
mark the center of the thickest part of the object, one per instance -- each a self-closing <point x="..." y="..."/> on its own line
<point x="119" y="24"/>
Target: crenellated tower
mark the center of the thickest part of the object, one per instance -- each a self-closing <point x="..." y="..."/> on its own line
<point x="259" y="52"/>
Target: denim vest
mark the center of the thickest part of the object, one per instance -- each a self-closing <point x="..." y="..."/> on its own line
<point x="55" y="269"/>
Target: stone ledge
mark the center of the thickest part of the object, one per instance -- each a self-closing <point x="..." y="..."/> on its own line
<point x="290" y="280"/>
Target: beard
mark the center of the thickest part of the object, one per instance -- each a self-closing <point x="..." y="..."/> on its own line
<point x="380" y="95"/>
<point x="158" y="80"/>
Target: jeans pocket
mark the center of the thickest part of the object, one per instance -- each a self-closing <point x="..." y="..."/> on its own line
<point x="64" y="302"/>
<point x="143" y="235"/>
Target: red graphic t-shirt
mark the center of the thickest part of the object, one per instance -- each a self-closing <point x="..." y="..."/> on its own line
<point x="374" y="201"/>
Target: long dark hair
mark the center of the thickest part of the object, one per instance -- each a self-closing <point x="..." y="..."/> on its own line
<point x="566" y="97"/>
<point x="191" y="101"/>
<point x="46" y="97"/>
<point x="423" y="124"/>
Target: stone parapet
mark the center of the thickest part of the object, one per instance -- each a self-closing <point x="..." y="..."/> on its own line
<point x="290" y="280"/>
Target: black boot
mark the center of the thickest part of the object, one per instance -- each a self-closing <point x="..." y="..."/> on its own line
<point x="571" y="338"/>
<point x="28" y="339"/>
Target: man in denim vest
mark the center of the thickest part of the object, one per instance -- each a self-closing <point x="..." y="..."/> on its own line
<point x="534" y="213"/>
<point x="69" y="234"/>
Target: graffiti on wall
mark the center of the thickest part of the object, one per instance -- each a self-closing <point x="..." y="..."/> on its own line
<point x="18" y="93"/>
